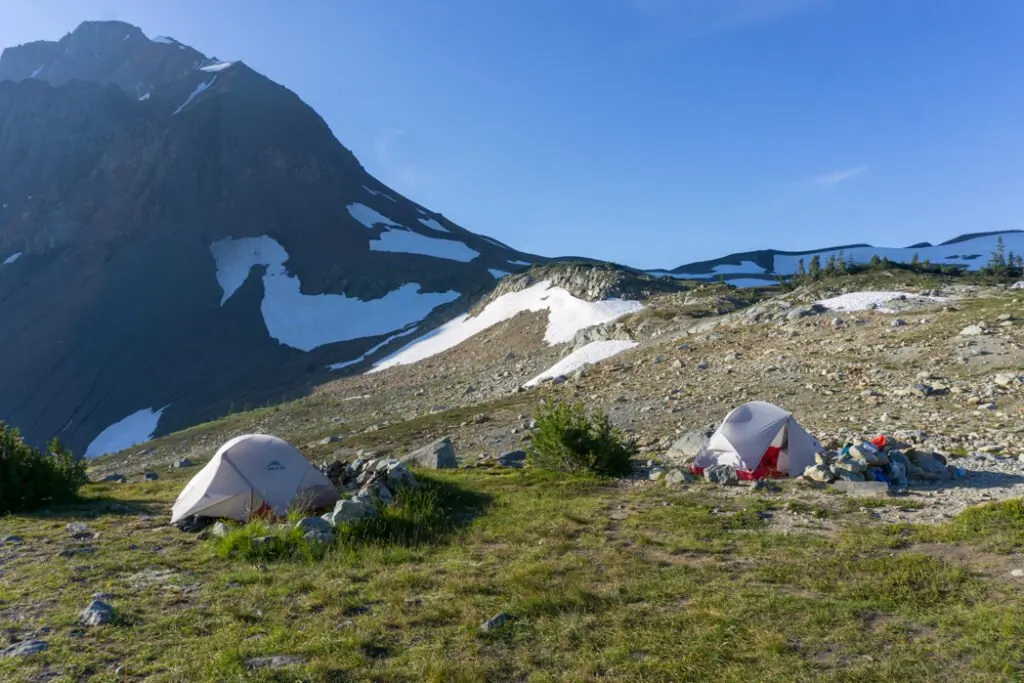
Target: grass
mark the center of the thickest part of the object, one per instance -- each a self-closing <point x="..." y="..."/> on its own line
<point x="602" y="582"/>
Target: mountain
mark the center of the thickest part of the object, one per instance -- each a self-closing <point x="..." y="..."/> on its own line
<point x="180" y="236"/>
<point x="753" y="268"/>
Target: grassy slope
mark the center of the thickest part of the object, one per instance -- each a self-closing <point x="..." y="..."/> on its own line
<point x="604" y="582"/>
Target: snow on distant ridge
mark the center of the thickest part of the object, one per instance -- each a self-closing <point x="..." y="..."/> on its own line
<point x="137" y="428"/>
<point x="377" y="193"/>
<point x="433" y="224"/>
<point x="12" y="258"/>
<point x="566" y="316"/>
<point x="593" y="352"/>
<point x="164" y="39"/>
<point x="864" y="301"/>
<point x="200" y="89"/>
<point x="414" y="243"/>
<point x="498" y="274"/>
<point x="370" y="217"/>
<point x="369" y="352"/>
<point x="215" y="67"/>
<point x="307" y="321"/>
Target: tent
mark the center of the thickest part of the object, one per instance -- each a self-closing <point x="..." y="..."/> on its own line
<point x="254" y="473"/>
<point x="759" y="440"/>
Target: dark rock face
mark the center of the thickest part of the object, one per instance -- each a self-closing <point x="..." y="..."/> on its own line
<point x="122" y="160"/>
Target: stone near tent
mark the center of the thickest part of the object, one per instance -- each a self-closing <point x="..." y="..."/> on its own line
<point x="972" y="331"/>
<point x="765" y="486"/>
<point x="314" y="524"/>
<point x="98" y="613"/>
<point x="819" y="472"/>
<point x="193" y="524"/>
<point x="182" y="464"/>
<point x="79" y="531"/>
<point x="435" y="456"/>
<point x="684" y="449"/>
<point x="219" y="530"/>
<point x="929" y="466"/>
<point x="842" y="474"/>
<point x="23" y="649"/>
<point x="677" y="477"/>
<point x="723" y="475"/>
<point x="348" y="510"/>
<point x="656" y="473"/>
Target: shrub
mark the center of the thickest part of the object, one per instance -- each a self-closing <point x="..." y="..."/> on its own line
<point x="30" y="478"/>
<point x="567" y="439"/>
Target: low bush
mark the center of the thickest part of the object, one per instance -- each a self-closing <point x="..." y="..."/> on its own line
<point x="567" y="439"/>
<point x="30" y="478"/>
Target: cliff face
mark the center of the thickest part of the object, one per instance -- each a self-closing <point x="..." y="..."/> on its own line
<point x="185" y="237"/>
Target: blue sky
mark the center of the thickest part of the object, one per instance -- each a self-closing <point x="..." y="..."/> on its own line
<point x="648" y="132"/>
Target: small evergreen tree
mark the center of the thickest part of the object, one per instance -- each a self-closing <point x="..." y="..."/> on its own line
<point x="999" y="255"/>
<point x="814" y="268"/>
<point x="830" y="265"/>
<point x="801" y="272"/>
<point x="30" y="478"/>
<point x="1020" y="262"/>
<point x="851" y="265"/>
<point x="915" y="261"/>
<point x="567" y="439"/>
<point x="875" y="261"/>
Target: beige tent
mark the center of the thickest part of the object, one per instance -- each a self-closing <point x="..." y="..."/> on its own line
<point x="254" y="473"/>
<point x="760" y="440"/>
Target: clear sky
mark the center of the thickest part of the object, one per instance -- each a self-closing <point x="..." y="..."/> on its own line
<point x="648" y="132"/>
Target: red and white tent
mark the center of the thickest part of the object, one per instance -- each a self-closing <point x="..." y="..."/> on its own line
<point x="759" y="440"/>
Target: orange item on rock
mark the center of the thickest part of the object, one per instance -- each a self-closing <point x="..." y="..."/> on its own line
<point x="879" y="441"/>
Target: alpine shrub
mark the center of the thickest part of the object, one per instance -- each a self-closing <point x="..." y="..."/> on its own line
<point x="30" y="478"/>
<point x="567" y="439"/>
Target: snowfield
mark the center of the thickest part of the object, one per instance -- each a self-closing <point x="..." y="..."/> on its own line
<point x="200" y="89"/>
<point x="374" y="349"/>
<point x="868" y="301"/>
<point x="376" y="193"/>
<point x="433" y="225"/>
<point x="307" y="321"/>
<point x="137" y="428"/>
<point x="369" y="217"/>
<point x="214" y="68"/>
<point x="593" y="352"/>
<point x="12" y="258"/>
<point x="566" y="316"/>
<point x="406" y="242"/>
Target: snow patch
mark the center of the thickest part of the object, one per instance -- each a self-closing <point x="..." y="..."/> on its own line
<point x="566" y="316"/>
<point x="519" y="263"/>
<point x="369" y="217"/>
<point x="377" y="193"/>
<point x="865" y="301"/>
<point x="36" y="72"/>
<point x="307" y="321"/>
<point x="137" y="428"/>
<point x="591" y="353"/>
<point x="144" y="97"/>
<point x="12" y="258"/>
<point x="370" y="352"/>
<point x="200" y="89"/>
<point x="163" y="39"/>
<point x="216" y="67"/>
<point x="433" y="225"/>
<point x="415" y="243"/>
<point x="498" y="274"/>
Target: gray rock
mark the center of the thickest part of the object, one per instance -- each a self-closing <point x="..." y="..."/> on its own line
<point x="182" y="464"/>
<point x="843" y="474"/>
<point x="972" y="331"/>
<point x="219" y="529"/>
<point x="274" y="662"/>
<point x="315" y="524"/>
<point x="79" y="531"/>
<point x="689" y="445"/>
<point x="656" y="473"/>
<point x="496" y="622"/>
<point x="765" y="485"/>
<point x="804" y="311"/>
<point x="398" y="476"/>
<point x="193" y="524"/>
<point x="863" y="489"/>
<point x="435" y="456"/>
<point x="677" y="477"/>
<point x="151" y="476"/>
<point x="98" y="613"/>
<point x="119" y="478"/>
<point x="512" y="459"/>
<point x="75" y="552"/>
<point x="818" y="472"/>
<point x="930" y="468"/>
<point x="23" y="649"/>
<point x="319" y="535"/>
<point x="723" y="475"/>
<point x="348" y="511"/>
<point x="328" y="440"/>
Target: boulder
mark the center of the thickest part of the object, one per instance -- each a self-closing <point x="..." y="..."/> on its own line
<point x="219" y="529"/>
<point x="435" y="456"/>
<point x="348" y="510"/>
<point x="193" y="524"/>
<point x="689" y="445"/>
<point x="677" y="477"/>
<point x="972" y="331"/>
<point x="819" y="472"/>
<point x="512" y="459"/>
<point x="182" y="464"/>
<point x="656" y="473"/>
<point x="929" y="467"/>
<point x="314" y="524"/>
<point x="842" y="473"/>
<point x="98" y="613"/>
<point x="723" y="475"/>
<point x="496" y="622"/>
<point x="151" y="476"/>
<point x="398" y="476"/>
<point x="23" y="649"/>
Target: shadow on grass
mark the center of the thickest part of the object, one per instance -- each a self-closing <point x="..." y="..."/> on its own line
<point x="93" y="507"/>
<point x="428" y="515"/>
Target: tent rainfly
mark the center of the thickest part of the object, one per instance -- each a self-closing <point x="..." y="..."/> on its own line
<point x="250" y="474"/>
<point x="759" y="440"/>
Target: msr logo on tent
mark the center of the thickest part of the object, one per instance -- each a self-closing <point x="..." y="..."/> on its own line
<point x="274" y="465"/>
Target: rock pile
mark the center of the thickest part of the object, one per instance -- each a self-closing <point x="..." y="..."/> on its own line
<point x="886" y="460"/>
<point x="374" y="481"/>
